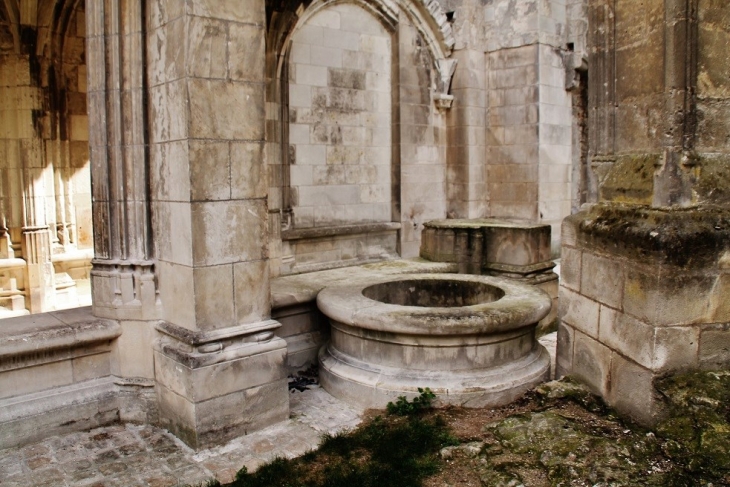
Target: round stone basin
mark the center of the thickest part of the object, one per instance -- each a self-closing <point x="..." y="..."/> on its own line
<point x="470" y="339"/>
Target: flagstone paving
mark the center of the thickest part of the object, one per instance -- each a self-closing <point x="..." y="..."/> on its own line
<point x="143" y="455"/>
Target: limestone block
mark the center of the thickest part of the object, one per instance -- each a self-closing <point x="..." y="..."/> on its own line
<point x="313" y="155"/>
<point x="247" y="170"/>
<point x="210" y="170"/>
<point x="564" y="350"/>
<point x="33" y="379"/>
<point x="631" y="391"/>
<point x="244" y="12"/>
<point x="675" y="348"/>
<point x="228" y="231"/>
<point x="580" y="312"/>
<point x="628" y="336"/>
<point x="163" y="12"/>
<point x="311" y="75"/>
<point x="222" y="379"/>
<point x="246" y="58"/>
<point x="667" y="298"/>
<point x="174" y="221"/>
<point x="213" y="288"/>
<point x="226" y="110"/>
<point x="568" y="231"/>
<point x="591" y="363"/>
<point x="224" y="418"/>
<point x="91" y="367"/>
<point x="251" y="299"/>
<point x="132" y="353"/>
<point x="602" y="279"/>
<point x="207" y="47"/>
<point x="176" y="286"/>
<point x="714" y="349"/>
<point x="517" y="244"/>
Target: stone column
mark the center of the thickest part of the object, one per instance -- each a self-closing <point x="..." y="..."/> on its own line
<point x="219" y="369"/>
<point x="123" y="282"/>
<point x="123" y="269"/>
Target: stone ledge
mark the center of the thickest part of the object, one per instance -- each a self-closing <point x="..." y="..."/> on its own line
<point x="323" y="232"/>
<point x="682" y="237"/>
<point x="72" y="328"/>
<point x="303" y="288"/>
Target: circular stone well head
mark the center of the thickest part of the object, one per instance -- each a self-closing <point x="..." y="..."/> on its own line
<point x="435" y="293"/>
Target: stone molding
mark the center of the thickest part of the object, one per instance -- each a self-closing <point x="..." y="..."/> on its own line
<point x="319" y="232"/>
<point x="43" y="335"/>
<point x="125" y="289"/>
<point x="200" y="349"/>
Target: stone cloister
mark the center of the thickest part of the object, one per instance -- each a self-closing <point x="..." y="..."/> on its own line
<point x="210" y="165"/>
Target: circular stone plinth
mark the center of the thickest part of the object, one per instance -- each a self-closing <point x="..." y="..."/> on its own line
<point x="470" y="339"/>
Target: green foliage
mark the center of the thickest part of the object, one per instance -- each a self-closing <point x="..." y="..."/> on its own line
<point x="394" y="451"/>
<point x="403" y="407"/>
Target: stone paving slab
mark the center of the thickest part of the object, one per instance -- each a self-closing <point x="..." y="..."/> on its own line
<point x="143" y="455"/>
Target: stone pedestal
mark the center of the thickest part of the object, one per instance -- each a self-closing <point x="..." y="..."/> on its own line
<point x="644" y="293"/>
<point x="215" y="386"/>
<point x="39" y="275"/>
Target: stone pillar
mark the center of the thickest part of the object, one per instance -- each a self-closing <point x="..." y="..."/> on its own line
<point x="39" y="282"/>
<point x="644" y="280"/>
<point x="219" y="370"/>
<point x="123" y="278"/>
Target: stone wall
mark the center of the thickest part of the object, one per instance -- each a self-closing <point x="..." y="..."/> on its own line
<point x="644" y="271"/>
<point x="530" y="51"/>
<point x="340" y="133"/>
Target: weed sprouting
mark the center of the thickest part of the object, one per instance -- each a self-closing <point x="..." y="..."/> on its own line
<point x="404" y="407"/>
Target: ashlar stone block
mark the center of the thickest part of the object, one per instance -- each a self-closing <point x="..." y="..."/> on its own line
<point x="580" y="312"/>
<point x="602" y="279"/>
<point x="591" y="362"/>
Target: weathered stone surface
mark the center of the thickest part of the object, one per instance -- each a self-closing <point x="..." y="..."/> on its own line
<point x="473" y="347"/>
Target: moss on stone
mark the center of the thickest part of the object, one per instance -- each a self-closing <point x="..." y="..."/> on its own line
<point x="630" y="179"/>
<point x="697" y="428"/>
<point x="684" y="237"/>
<point x="713" y="182"/>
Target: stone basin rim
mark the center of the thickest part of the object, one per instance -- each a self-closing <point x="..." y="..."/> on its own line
<point x="521" y="306"/>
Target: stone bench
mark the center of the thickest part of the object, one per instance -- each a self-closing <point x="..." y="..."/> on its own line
<point x="55" y="374"/>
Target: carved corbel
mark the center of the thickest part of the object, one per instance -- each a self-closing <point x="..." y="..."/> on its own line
<point x="441" y="96"/>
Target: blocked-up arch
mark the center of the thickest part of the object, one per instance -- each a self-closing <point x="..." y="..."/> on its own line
<point x="416" y="29"/>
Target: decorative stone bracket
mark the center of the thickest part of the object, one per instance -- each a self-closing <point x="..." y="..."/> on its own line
<point x="446" y="69"/>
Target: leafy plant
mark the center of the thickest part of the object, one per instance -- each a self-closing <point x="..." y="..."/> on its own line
<point x="404" y="407"/>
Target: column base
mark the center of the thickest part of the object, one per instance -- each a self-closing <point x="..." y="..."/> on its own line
<point x="215" y="386"/>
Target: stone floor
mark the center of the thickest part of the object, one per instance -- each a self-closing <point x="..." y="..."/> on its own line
<point x="142" y="455"/>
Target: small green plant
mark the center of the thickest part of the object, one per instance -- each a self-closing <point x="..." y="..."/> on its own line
<point x="404" y="407"/>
